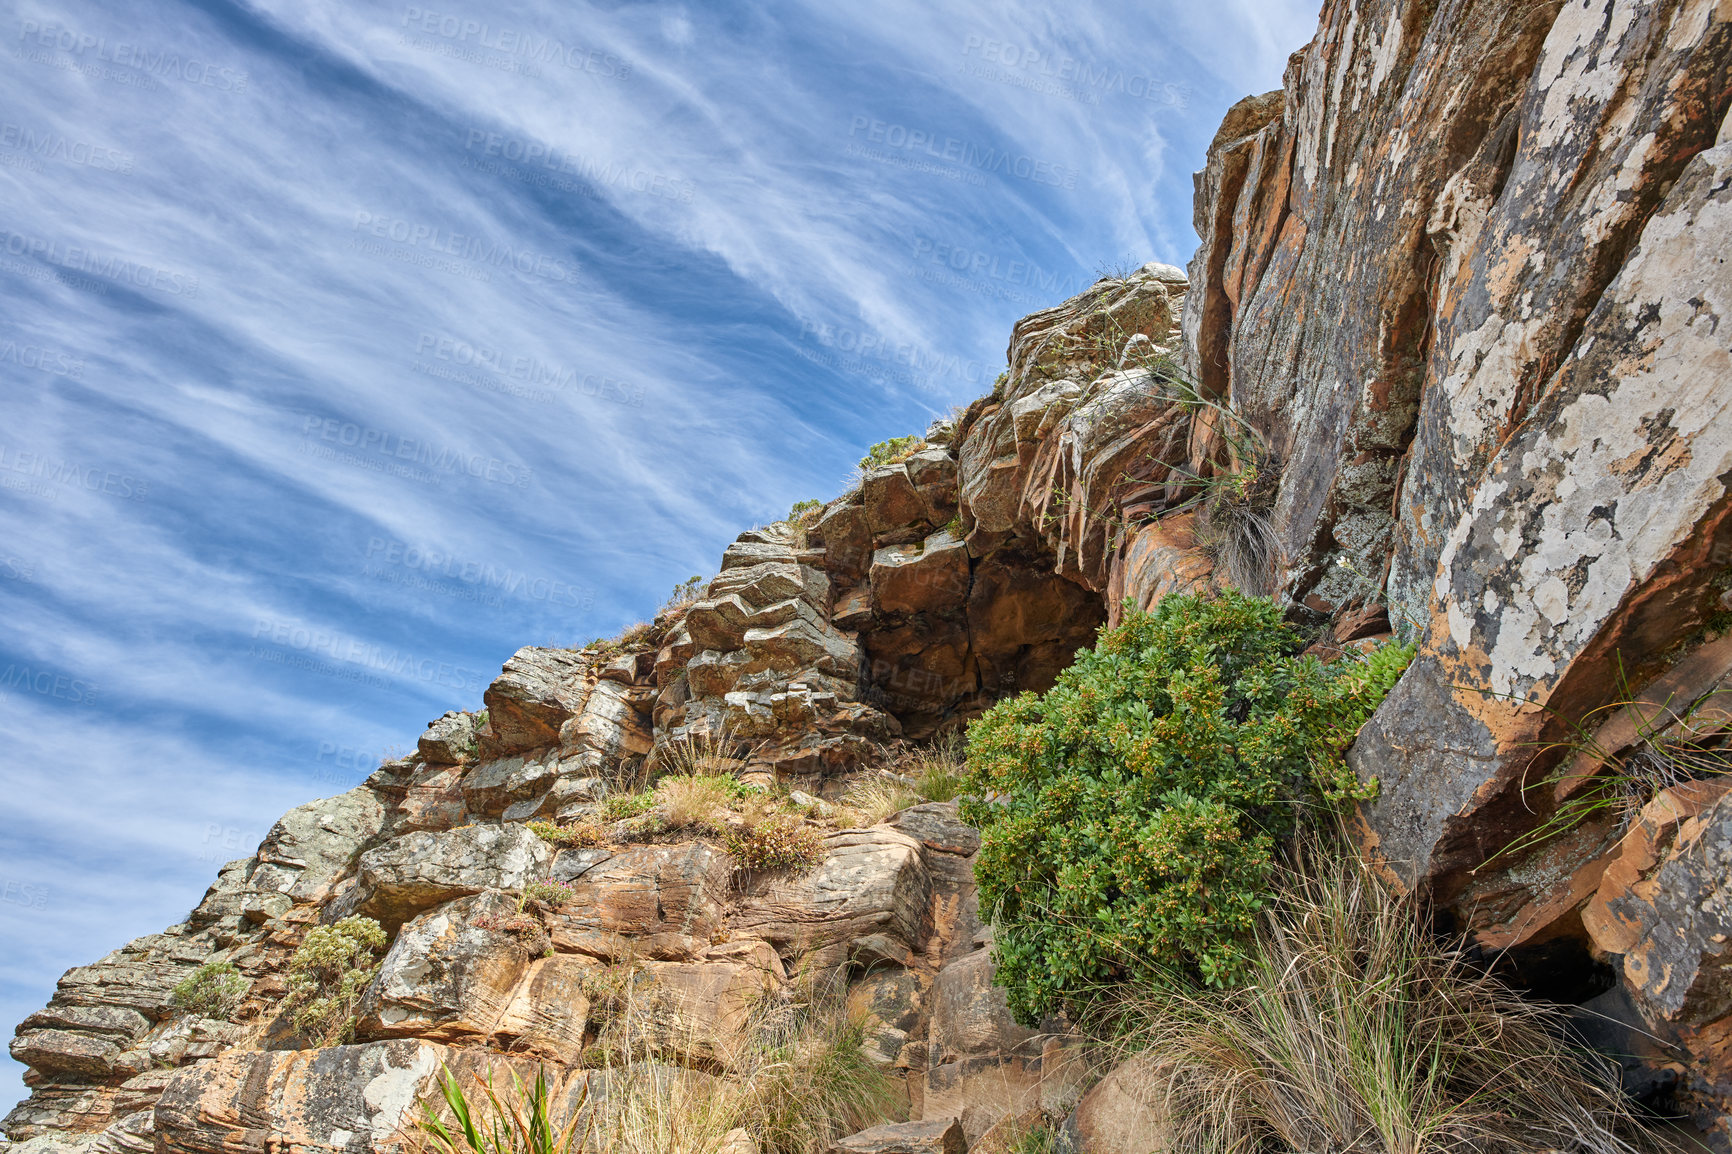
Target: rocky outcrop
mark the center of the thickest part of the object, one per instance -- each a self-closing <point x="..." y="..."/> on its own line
<point x="1451" y="351"/>
<point x="1464" y="275"/>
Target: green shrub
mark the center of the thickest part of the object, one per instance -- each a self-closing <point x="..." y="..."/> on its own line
<point x="549" y="893"/>
<point x="781" y="841"/>
<point x="328" y="974"/>
<point x="619" y="806"/>
<point x="578" y="833"/>
<point x="805" y="512"/>
<point x="211" y="991"/>
<point x="1136" y="807"/>
<point x="889" y="452"/>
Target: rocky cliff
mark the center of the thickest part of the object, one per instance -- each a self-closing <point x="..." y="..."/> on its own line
<point x="1448" y="362"/>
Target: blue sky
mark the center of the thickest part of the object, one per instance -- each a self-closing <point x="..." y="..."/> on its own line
<point x="347" y="347"/>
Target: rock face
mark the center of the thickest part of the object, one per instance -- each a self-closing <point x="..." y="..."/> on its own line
<point x="1455" y="340"/>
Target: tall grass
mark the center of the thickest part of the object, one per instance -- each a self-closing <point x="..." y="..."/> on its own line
<point x="1360" y="1032"/>
<point x="801" y="1081"/>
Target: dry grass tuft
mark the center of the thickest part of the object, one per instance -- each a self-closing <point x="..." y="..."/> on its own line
<point x="879" y="798"/>
<point x="1360" y="1032"/>
<point x="695" y="801"/>
<point x="802" y="1082"/>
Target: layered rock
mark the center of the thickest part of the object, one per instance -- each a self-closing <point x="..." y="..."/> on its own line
<point x="1455" y="322"/>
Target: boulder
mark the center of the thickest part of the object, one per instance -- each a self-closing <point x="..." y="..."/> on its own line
<point x="1123" y="1114"/>
<point x="549" y="1010"/>
<point x="65" y="1053"/>
<point x="314" y="846"/>
<point x="696" y="1012"/>
<point x="449" y="740"/>
<point x="537" y="692"/>
<point x="446" y="977"/>
<point x="888" y="1001"/>
<point x="847" y="542"/>
<point x="342" y="1100"/>
<point x="893" y="505"/>
<point x="421" y="870"/>
<point x="656" y="901"/>
<point x="432" y="801"/>
<point x="937" y="825"/>
<point x="871" y="882"/>
<point x="970" y="1017"/>
<point x="926" y="577"/>
<point x="933" y="1137"/>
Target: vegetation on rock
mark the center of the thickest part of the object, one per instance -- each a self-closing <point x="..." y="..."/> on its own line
<point x="778" y="842"/>
<point x="213" y="990"/>
<point x="890" y="452"/>
<point x="1136" y="808"/>
<point x="577" y="834"/>
<point x="328" y="974"/>
<point x="1358" y="1029"/>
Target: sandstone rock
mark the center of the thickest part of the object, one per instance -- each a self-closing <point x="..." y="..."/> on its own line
<point x="847" y="536"/>
<point x="1162" y="558"/>
<point x="347" y="1098"/>
<point x="314" y="846"/>
<point x="432" y="800"/>
<point x="920" y="578"/>
<point x="653" y="901"/>
<point x="421" y="870"/>
<point x="492" y="787"/>
<point x="1123" y="1114"/>
<point x="871" y="881"/>
<point x="775" y="543"/>
<point x="1605" y="538"/>
<point x="893" y="505"/>
<point x="937" y="826"/>
<point x="446" y="978"/>
<point x="65" y="1052"/>
<point x="936" y="1137"/>
<point x="612" y="725"/>
<point x="112" y="1021"/>
<point x="537" y="692"/>
<point x="549" y="1011"/>
<point x="889" y="1001"/>
<point x="697" y="1012"/>
<point x="969" y="1015"/>
<point x="448" y="740"/>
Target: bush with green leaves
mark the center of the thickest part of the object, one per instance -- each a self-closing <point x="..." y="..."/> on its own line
<point x="213" y="990"/>
<point x="889" y="452"/>
<point x="1131" y="816"/>
<point x="328" y="974"/>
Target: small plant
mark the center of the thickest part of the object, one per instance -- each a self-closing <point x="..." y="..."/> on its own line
<point x="685" y="593"/>
<point x="327" y="975"/>
<point x="578" y="833"/>
<point x="938" y="770"/>
<point x="779" y="842"/>
<point x="805" y="513"/>
<point x="548" y="893"/>
<point x="879" y="798"/>
<point x="1136" y="806"/>
<point x="620" y="806"/>
<point x="525" y="1121"/>
<point x="891" y="452"/>
<point x="214" y="990"/>
<point x="1619" y="756"/>
<point x="1358" y="1030"/>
